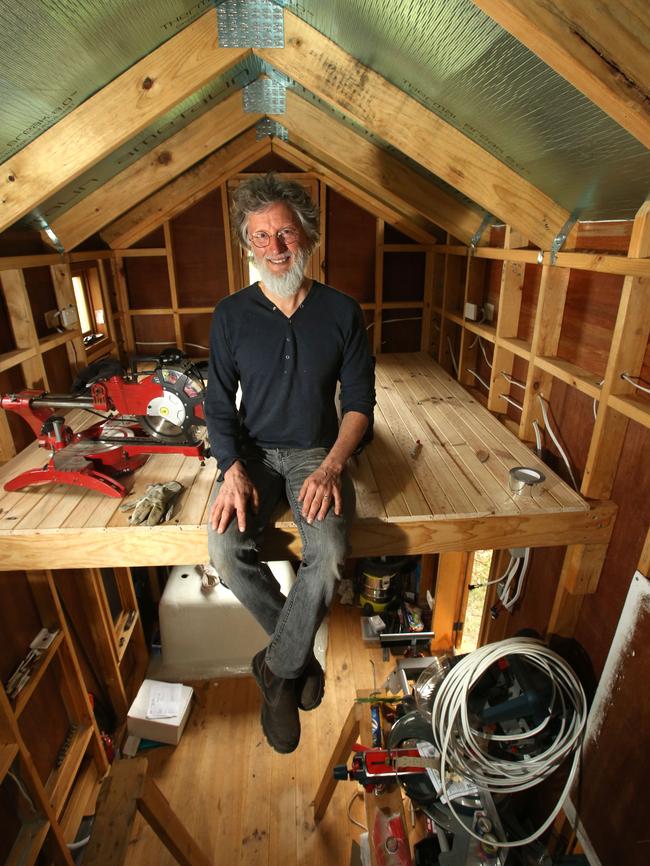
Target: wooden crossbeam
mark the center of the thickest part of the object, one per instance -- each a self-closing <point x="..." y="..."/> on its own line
<point x="600" y="48"/>
<point x="361" y="161"/>
<point x="185" y="190"/>
<point x="136" y="98"/>
<point x="338" y="78"/>
<point x="410" y="223"/>
<point x="126" y="790"/>
<point x="156" y="168"/>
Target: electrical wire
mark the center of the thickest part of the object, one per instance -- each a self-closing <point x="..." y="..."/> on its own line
<point x="512" y="381"/>
<point x="392" y="321"/>
<point x="507" y="599"/>
<point x="482" y="348"/>
<point x="453" y="359"/>
<point x="466" y="750"/>
<point x="512" y="402"/>
<point x="549" y="430"/>
<point x="350" y="818"/>
<point x="511" y="564"/>
<point x="22" y="790"/>
<point x="597" y="401"/>
<point x="476" y="376"/>
<point x="539" y="447"/>
<point x="631" y="379"/>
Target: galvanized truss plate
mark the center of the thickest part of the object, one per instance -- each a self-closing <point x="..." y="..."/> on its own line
<point x="265" y="96"/>
<point x="250" y="24"/>
<point x="273" y="129"/>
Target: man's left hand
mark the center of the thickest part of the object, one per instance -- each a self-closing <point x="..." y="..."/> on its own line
<point x="320" y="491"/>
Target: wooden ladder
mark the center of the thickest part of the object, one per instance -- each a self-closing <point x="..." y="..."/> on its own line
<point x="126" y="790"/>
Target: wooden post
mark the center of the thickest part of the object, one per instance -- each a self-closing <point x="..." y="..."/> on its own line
<point x="379" y="286"/>
<point x="453" y="569"/>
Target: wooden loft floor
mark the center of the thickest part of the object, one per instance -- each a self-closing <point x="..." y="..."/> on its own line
<point x="435" y="479"/>
<point x="246" y="805"/>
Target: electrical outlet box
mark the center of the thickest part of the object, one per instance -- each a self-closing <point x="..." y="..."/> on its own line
<point x="69" y="317"/>
<point x="488" y="312"/>
<point x="517" y="552"/>
<point x="52" y="319"/>
<point x="472" y="311"/>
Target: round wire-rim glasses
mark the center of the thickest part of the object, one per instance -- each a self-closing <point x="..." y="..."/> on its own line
<point x="286" y="236"/>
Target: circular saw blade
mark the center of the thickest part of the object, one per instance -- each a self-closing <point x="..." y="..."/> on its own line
<point x="172" y="416"/>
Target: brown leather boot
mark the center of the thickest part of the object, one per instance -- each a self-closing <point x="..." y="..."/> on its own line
<point x="310" y="685"/>
<point x="280" y="717"/>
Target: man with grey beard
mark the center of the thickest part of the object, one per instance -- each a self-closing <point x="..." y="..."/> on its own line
<point x="286" y="341"/>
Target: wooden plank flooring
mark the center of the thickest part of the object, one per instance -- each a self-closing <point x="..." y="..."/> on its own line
<point x="245" y="804"/>
<point x="439" y="459"/>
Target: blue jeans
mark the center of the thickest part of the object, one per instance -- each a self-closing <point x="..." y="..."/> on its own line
<point x="290" y="621"/>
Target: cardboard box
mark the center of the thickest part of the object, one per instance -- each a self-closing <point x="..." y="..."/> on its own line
<point x="161" y="730"/>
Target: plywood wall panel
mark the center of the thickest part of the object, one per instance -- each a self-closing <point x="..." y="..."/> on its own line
<point x="271" y="162"/>
<point x="147" y="282"/>
<point x="195" y="328"/>
<point x="154" y="240"/>
<point x="42" y="297"/>
<point x="529" y="294"/>
<point x="57" y="369"/>
<point x="10" y="381"/>
<point x="403" y="276"/>
<point x="589" y="319"/>
<point x="199" y="247"/>
<point x="153" y="334"/>
<point x="7" y="342"/>
<point x="401" y="330"/>
<point x="600" y="612"/>
<point x="350" y="265"/>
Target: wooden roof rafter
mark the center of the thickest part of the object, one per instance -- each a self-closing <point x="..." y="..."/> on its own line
<point x="185" y="190"/>
<point x="600" y="48"/>
<point x="368" y="166"/>
<point x="147" y="90"/>
<point x="203" y="136"/>
<point x="413" y="225"/>
<point x="335" y="76"/>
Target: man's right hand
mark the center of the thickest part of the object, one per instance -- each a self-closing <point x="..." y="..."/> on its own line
<point x="234" y="494"/>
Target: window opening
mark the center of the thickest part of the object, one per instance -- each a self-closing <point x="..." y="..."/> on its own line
<point x="476" y="600"/>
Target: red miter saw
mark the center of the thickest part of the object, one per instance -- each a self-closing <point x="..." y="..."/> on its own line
<point x="157" y="411"/>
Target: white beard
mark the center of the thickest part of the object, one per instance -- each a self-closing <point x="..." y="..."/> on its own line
<point x="284" y="285"/>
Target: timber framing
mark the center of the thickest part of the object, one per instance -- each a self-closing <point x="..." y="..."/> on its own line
<point x="138" y="97"/>
<point x="362" y="94"/>
<point x="193" y="143"/>
<point x="600" y="48"/>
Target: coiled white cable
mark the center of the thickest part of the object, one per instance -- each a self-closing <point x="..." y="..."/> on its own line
<point x="464" y="749"/>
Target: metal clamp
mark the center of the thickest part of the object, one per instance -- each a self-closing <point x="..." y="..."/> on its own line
<point x="250" y="24"/>
<point x="265" y="96"/>
<point x="562" y="235"/>
<point x="476" y="237"/>
<point x="272" y="128"/>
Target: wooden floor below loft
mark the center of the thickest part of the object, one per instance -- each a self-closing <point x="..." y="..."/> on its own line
<point x="246" y="805"/>
<point x="434" y="479"/>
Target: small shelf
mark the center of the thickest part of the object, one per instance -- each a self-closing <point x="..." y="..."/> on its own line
<point x="518" y="347"/>
<point x="486" y="332"/>
<point x="8" y="752"/>
<point x="62" y="778"/>
<point x="586" y="382"/>
<point x="23" y="696"/>
<point x="58" y="339"/>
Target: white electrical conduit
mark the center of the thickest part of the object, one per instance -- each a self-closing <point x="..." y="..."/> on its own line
<point x="512" y="402"/>
<point x="482" y="348"/>
<point x="512" y="381"/>
<point x="453" y="359"/>
<point x="511" y="565"/>
<point x="630" y="379"/>
<point x="510" y="602"/>
<point x="538" y="438"/>
<point x="476" y="376"/>
<point x="549" y="430"/>
<point x="463" y="749"/>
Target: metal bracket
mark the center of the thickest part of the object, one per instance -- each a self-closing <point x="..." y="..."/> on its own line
<point x="562" y="235"/>
<point x="265" y="96"/>
<point x="476" y="237"/>
<point x="272" y="128"/>
<point x="250" y="24"/>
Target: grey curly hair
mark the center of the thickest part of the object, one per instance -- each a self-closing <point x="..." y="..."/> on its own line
<point x="259" y="193"/>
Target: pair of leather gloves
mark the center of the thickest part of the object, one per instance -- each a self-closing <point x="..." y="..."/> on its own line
<point x="155" y="505"/>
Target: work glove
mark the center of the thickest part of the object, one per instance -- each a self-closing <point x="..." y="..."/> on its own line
<point x="154" y="506"/>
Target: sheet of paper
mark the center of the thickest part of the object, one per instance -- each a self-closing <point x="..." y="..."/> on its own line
<point x="164" y="700"/>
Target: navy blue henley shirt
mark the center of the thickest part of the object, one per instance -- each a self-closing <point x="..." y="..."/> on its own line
<point x="288" y="369"/>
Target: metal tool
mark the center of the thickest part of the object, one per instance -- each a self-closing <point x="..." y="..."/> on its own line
<point x="152" y="412"/>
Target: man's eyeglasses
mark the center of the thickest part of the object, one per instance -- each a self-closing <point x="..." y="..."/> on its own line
<point x="263" y="239"/>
